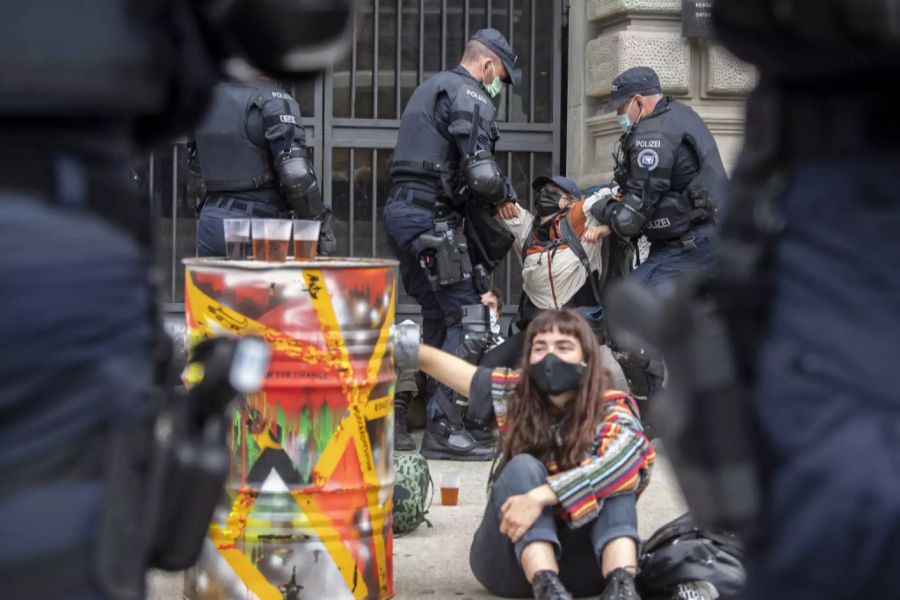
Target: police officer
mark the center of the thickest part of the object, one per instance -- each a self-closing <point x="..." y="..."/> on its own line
<point x="251" y="149"/>
<point x="670" y="178"/>
<point x="435" y="172"/>
<point x="78" y="378"/>
<point x="811" y="230"/>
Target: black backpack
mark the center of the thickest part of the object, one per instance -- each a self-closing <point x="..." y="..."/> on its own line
<point x="644" y="373"/>
<point x="685" y="561"/>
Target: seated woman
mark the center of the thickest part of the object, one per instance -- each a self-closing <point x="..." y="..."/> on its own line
<point x="561" y="516"/>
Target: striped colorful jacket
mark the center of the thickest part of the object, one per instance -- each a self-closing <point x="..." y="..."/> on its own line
<point x="620" y="460"/>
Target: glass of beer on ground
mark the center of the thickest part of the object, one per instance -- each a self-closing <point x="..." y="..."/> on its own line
<point x="450" y="488"/>
<point x="306" y="239"/>
<point x="271" y="238"/>
<point x="237" y="239"/>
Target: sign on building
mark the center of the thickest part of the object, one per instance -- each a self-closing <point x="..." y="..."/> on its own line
<point x="696" y="18"/>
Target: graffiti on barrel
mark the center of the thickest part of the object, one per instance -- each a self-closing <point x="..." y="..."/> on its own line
<point x="306" y="512"/>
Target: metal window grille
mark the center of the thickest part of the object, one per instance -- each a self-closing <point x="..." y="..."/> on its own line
<point x="352" y="112"/>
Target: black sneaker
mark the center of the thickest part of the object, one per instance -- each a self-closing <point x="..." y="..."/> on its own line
<point x="547" y="586"/>
<point x="443" y="441"/>
<point x="620" y="586"/>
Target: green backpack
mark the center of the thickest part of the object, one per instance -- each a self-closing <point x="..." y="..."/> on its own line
<point x="413" y="492"/>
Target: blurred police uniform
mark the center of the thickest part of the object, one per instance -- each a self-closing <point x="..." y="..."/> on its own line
<point x="430" y="165"/>
<point x="811" y="226"/>
<point x="251" y="149"/>
<point x="670" y="179"/>
<point x="85" y="87"/>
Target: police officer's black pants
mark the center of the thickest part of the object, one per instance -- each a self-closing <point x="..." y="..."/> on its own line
<point x="441" y="309"/>
<point x="211" y="228"/>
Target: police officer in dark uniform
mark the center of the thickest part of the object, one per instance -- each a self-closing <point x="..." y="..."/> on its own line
<point x="670" y="178"/>
<point x="811" y="230"/>
<point x="438" y="167"/>
<point x="251" y="149"/>
<point x="85" y="86"/>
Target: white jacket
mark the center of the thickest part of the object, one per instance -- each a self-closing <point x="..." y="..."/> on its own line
<point x="551" y="278"/>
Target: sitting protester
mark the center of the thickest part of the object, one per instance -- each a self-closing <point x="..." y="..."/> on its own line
<point x="562" y="513"/>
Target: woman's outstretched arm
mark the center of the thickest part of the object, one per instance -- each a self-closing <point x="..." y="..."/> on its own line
<point x="450" y="370"/>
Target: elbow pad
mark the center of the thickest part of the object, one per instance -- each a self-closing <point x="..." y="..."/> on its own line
<point x="624" y="217"/>
<point x="299" y="185"/>
<point x="483" y="178"/>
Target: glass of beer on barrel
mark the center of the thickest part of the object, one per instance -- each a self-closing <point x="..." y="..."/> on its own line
<point x="237" y="239"/>
<point x="271" y="238"/>
<point x="306" y="239"/>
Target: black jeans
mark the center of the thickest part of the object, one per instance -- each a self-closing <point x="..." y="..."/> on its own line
<point x="494" y="559"/>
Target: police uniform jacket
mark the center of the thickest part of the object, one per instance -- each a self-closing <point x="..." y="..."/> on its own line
<point x="670" y="164"/>
<point x="435" y="127"/>
<point x="244" y="128"/>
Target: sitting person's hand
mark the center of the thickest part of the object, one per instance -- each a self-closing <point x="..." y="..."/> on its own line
<point x="508" y="210"/>
<point x="519" y="514"/>
<point x="595" y="233"/>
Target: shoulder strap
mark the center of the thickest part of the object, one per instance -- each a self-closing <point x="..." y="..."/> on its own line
<point x="570" y="238"/>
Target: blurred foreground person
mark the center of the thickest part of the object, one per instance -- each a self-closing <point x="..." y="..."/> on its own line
<point x="812" y="251"/>
<point x="781" y="407"/>
<point x="85" y="86"/>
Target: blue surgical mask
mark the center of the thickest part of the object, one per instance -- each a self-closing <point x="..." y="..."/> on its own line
<point x="624" y="120"/>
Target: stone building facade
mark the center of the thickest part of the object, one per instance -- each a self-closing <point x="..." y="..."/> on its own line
<point x="609" y="36"/>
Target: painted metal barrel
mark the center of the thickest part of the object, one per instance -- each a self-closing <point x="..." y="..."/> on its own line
<point x="306" y="512"/>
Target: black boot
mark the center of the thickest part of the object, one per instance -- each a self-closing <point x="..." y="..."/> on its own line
<point x="403" y="442"/>
<point x="445" y="441"/>
<point x="620" y="586"/>
<point x="547" y="586"/>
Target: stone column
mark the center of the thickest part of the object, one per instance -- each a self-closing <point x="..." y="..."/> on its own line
<point x="608" y="36"/>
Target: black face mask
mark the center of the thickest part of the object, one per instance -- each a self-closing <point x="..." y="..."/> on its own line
<point x="547" y="203"/>
<point x="553" y="376"/>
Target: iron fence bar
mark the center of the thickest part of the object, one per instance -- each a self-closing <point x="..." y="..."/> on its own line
<point x="531" y="69"/>
<point x="489" y="12"/>
<point x="376" y="83"/>
<point x="420" y="76"/>
<point x="317" y="123"/>
<point x="443" y="35"/>
<point x="351" y="227"/>
<point x="374" y="202"/>
<point x="512" y="14"/>
<point x="398" y="67"/>
<point x="465" y="21"/>
<point x="353" y="66"/>
<point x="327" y="143"/>
<point x="531" y="178"/>
<point x="174" y="218"/>
<point x="557" y="85"/>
